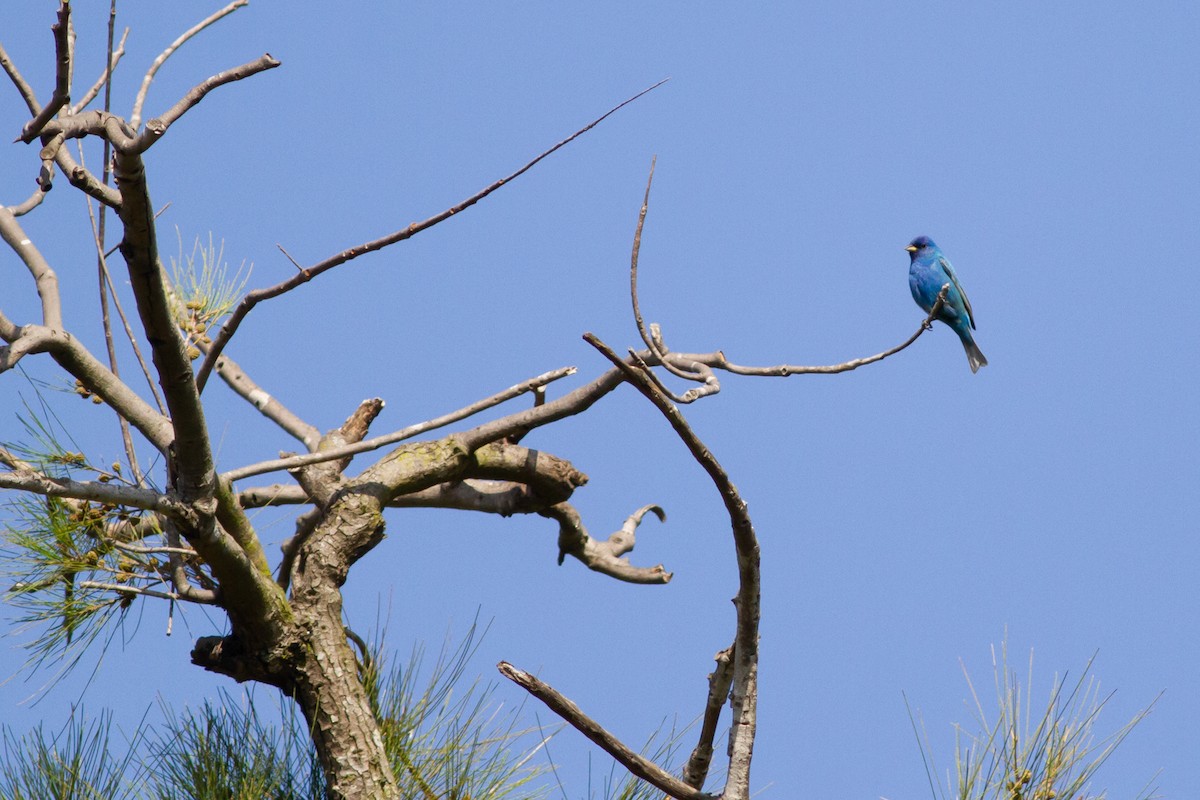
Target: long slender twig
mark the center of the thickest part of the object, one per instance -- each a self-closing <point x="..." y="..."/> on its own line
<point x="783" y="370"/>
<point x="135" y="118"/>
<point x="114" y="57"/>
<point x="650" y="342"/>
<point x="99" y="221"/>
<point x="126" y="589"/>
<point x="129" y="334"/>
<point x="642" y="767"/>
<point x="294" y="462"/>
<point x="305" y="275"/>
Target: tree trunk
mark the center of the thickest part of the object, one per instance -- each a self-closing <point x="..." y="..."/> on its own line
<point x="340" y="719"/>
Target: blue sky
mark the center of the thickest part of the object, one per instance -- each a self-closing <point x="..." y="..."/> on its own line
<point x="910" y="513"/>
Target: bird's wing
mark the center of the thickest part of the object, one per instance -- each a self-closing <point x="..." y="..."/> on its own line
<point x="945" y="262"/>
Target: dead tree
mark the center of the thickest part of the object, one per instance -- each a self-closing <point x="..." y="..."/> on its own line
<point x="192" y="541"/>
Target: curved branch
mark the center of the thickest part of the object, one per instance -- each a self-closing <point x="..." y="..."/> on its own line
<point x="156" y="127"/>
<point x="135" y="118"/>
<point x="43" y="275"/>
<point x="18" y="80"/>
<point x="604" y="557"/>
<point x="747" y="601"/>
<point x="30" y="203"/>
<point x="783" y="370"/>
<point x="305" y="275"/>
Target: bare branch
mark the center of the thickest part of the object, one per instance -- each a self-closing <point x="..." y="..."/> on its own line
<point x="321" y="480"/>
<point x="136" y="117"/>
<point x="695" y="772"/>
<point x="156" y="127"/>
<point x="129" y="334"/>
<point x="113" y="494"/>
<point x="44" y="277"/>
<point x="72" y="356"/>
<point x="30" y="203"/>
<point x="747" y="601"/>
<point x="653" y="343"/>
<point x="605" y="557"/>
<point x="305" y="275"/>
<point x="128" y="590"/>
<point x="18" y="80"/>
<point x="783" y="370"/>
<point x="62" y="76"/>
<point x="91" y="93"/>
<point x="294" y="462"/>
<point x="644" y="769"/>
<point x="140" y="550"/>
<point x="85" y="181"/>
<point x="178" y="569"/>
<point x="270" y="407"/>
<point x="488" y="496"/>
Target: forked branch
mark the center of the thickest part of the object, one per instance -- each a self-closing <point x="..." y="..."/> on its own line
<point x="747" y="601"/>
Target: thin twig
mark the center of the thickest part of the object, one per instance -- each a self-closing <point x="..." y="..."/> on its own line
<point x="641" y="767"/>
<point x="140" y="550"/>
<point x="305" y="275"/>
<point x="126" y="589"/>
<point x="98" y="221"/>
<point x="294" y="462"/>
<point x="135" y="118"/>
<point x="137" y="350"/>
<point x="783" y="370"/>
<point x="651" y="343"/>
<point x="114" y="56"/>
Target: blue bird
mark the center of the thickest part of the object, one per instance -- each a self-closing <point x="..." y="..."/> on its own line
<point x="927" y="274"/>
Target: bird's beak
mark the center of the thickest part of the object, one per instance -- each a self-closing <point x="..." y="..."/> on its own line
<point x="911" y="248"/>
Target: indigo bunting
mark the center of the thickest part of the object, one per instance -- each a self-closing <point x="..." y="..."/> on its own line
<point x="927" y="274"/>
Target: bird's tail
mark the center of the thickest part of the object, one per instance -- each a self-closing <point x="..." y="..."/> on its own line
<point x="974" y="355"/>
